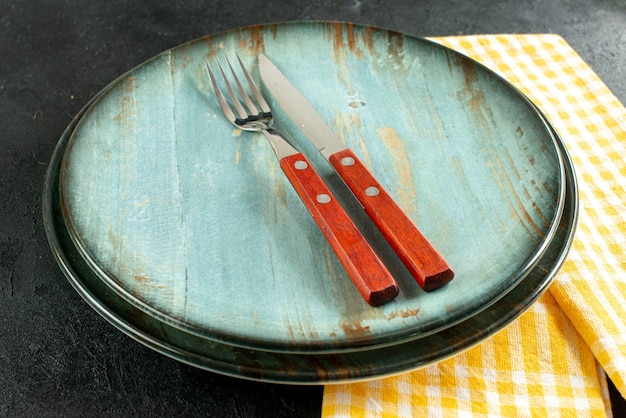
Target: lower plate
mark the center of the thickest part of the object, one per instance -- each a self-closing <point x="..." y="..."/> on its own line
<point x="295" y="368"/>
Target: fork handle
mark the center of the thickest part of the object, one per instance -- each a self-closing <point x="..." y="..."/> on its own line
<point x="422" y="260"/>
<point x="369" y="274"/>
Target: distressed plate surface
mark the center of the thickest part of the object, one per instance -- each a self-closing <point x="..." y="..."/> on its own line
<point x="193" y="222"/>
<point x="291" y="367"/>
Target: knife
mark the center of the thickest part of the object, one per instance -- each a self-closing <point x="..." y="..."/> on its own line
<point x="421" y="259"/>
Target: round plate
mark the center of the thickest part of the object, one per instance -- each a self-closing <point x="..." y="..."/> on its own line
<point x="193" y="222"/>
<point x="295" y="368"/>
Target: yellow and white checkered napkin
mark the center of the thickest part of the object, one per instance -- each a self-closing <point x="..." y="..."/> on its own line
<point x="552" y="360"/>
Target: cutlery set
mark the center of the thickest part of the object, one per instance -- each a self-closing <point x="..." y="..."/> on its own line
<point x="368" y="273"/>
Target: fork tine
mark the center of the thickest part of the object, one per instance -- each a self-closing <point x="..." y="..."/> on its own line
<point x="255" y="91"/>
<point x="221" y="100"/>
<point x="242" y="93"/>
<point x="233" y="98"/>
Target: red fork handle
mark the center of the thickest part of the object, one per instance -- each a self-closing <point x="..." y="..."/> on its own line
<point x="369" y="274"/>
<point x="418" y="255"/>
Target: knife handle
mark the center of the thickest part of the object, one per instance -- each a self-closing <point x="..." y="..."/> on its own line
<point x="369" y="274"/>
<point x="418" y="255"/>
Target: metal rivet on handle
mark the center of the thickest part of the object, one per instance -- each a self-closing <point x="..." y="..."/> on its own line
<point x="372" y="191"/>
<point x="323" y="198"/>
<point x="300" y="165"/>
<point x="347" y="161"/>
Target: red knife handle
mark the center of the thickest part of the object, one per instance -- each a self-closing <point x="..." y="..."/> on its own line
<point x="418" y="255"/>
<point x="369" y="274"/>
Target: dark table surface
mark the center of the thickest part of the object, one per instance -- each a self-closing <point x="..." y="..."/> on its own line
<point x="57" y="356"/>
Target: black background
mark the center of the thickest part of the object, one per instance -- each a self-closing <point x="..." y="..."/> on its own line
<point x="57" y="356"/>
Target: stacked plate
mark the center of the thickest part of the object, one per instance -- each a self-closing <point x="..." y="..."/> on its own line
<point x="184" y="233"/>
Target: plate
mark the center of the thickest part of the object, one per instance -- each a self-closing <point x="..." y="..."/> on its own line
<point x="192" y="221"/>
<point x="294" y="368"/>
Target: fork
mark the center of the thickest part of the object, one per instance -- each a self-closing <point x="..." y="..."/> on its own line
<point x="370" y="276"/>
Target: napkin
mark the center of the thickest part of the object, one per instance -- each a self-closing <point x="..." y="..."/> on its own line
<point x="552" y="360"/>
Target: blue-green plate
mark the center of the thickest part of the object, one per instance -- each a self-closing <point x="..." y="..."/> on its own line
<point x="193" y="223"/>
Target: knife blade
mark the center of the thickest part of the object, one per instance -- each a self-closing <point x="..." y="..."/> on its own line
<point x="418" y="255"/>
